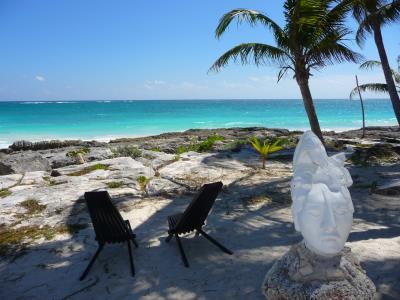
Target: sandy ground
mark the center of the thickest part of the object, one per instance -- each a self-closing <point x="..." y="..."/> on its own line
<point x="257" y="236"/>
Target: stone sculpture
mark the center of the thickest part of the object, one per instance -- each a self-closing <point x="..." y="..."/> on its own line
<point x="319" y="267"/>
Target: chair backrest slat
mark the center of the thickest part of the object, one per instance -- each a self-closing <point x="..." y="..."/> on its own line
<point x="196" y="213"/>
<point x="108" y="223"/>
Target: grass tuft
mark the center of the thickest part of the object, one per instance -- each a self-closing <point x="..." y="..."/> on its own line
<point x="203" y="146"/>
<point x="88" y="170"/>
<point x="143" y="181"/>
<point x="14" y="239"/>
<point x="4" y="193"/>
<point x="126" y="151"/>
<point x="32" y="206"/>
<point x="114" y="184"/>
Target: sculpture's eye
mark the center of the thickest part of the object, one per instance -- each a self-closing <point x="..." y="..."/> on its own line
<point x="341" y="211"/>
<point x="314" y="212"/>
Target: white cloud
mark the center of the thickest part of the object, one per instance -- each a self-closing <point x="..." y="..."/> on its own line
<point x="40" y="78"/>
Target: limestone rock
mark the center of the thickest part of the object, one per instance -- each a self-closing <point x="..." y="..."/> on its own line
<point x="300" y="274"/>
<point x="53" y="144"/>
<point x="59" y="158"/>
<point x="9" y="180"/>
<point x="160" y="186"/>
<point x="22" y="162"/>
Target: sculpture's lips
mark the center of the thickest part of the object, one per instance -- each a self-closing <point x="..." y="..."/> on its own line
<point x="328" y="238"/>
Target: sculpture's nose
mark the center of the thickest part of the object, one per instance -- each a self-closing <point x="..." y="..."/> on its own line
<point x="328" y="220"/>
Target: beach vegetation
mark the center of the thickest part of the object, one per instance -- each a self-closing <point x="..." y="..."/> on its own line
<point x="126" y="151"/>
<point x="266" y="147"/>
<point x="376" y="154"/>
<point x="155" y="149"/>
<point x="313" y="36"/>
<point x="371" y="16"/>
<point x="78" y="154"/>
<point x="237" y="145"/>
<point x="208" y="143"/>
<point x="4" y="193"/>
<point x="149" y="156"/>
<point x="114" y="184"/>
<point x="202" y="146"/>
<point x="32" y="206"/>
<point x="143" y="181"/>
<point x="15" y="239"/>
<point x="89" y="169"/>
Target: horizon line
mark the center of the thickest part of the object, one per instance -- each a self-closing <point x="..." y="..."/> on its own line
<point x="182" y="99"/>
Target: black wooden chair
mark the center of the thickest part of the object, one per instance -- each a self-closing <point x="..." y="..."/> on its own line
<point x="193" y="218"/>
<point x="108" y="225"/>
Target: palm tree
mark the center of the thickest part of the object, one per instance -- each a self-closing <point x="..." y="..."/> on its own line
<point x="371" y="15"/>
<point x="376" y="87"/>
<point x="312" y="38"/>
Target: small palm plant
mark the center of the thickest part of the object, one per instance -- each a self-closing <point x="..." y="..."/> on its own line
<point x="78" y="154"/>
<point x="265" y="148"/>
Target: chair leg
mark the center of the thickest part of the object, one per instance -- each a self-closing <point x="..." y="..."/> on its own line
<point x="168" y="238"/>
<point x="185" y="261"/>
<point x="135" y="242"/>
<point x="226" y="250"/>
<point x="131" y="259"/>
<point x="91" y="262"/>
<point x="133" y="235"/>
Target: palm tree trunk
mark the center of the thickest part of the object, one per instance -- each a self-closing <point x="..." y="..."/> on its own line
<point x="394" y="96"/>
<point x="309" y="106"/>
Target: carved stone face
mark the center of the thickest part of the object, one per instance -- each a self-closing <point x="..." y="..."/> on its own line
<point x="325" y="223"/>
<point x="322" y="207"/>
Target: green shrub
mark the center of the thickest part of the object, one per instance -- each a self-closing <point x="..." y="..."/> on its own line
<point x="127" y="151"/>
<point x="156" y="149"/>
<point x="181" y="149"/>
<point x="74" y="153"/>
<point x="114" y="184"/>
<point x="143" y="181"/>
<point x="208" y="144"/>
<point x="197" y="146"/>
<point x="89" y="169"/>
<point x="4" y="193"/>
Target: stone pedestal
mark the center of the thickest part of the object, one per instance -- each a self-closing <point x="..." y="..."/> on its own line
<point x="301" y="274"/>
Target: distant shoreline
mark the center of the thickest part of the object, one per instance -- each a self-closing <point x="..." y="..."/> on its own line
<point x="110" y="139"/>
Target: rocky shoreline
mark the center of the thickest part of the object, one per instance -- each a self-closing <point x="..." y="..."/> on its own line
<point x="42" y="211"/>
<point x="25" y="156"/>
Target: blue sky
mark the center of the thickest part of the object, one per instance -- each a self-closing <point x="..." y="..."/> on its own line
<point x="74" y="49"/>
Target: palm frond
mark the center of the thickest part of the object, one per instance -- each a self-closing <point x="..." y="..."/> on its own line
<point x="364" y="27"/>
<point x="388" y="13"/>
<point x="247" y="53"/>
<point x="329" y="51"/>
<point x="370" y="87"/>
<point x="370" y="64"/>
<point x="252" y="17"/>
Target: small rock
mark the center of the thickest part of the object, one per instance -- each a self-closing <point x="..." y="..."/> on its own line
<point x="55" y="173"/>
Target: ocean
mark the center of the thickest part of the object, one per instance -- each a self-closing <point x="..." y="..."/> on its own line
<point x="105" y="120"/>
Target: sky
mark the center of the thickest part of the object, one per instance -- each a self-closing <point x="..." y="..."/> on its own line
<point x="153" y="49"/>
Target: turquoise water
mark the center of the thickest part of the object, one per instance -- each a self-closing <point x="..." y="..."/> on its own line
<point x="103" y="120"/>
